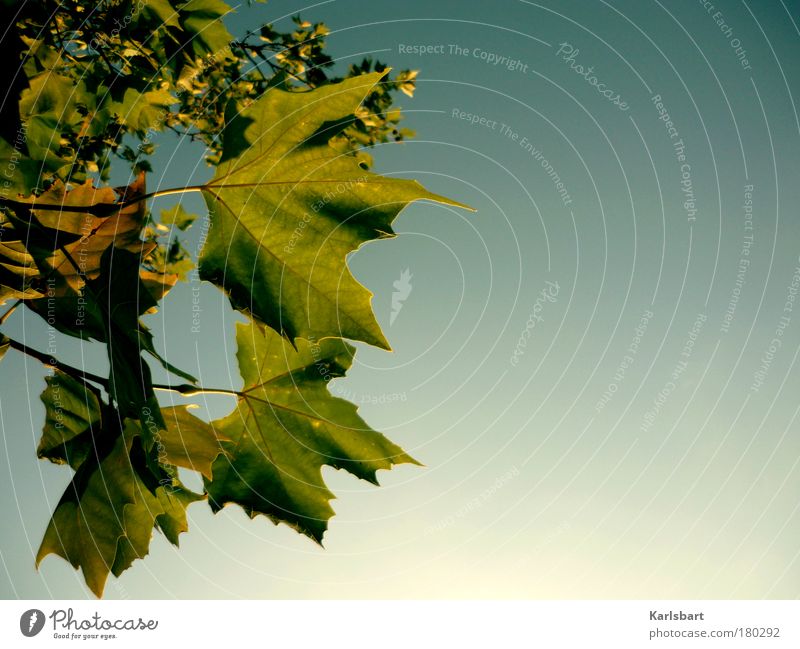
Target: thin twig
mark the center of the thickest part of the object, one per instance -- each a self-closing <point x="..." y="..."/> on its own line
<point x="98" y="209"/>
<point x="253" y="61"/>
<point x="184" y="389"/>
<point x="11" y="310"/>
<point x="48" y="360"/>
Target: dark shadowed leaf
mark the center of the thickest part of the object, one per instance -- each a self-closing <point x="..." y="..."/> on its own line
<point x="105" y="519"/>
<point x="72" y="417"/>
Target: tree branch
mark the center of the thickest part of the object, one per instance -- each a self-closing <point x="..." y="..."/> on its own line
<point x="11" y="310"/>
<point x="49" y="361"/>
<point x="185" y="389"/>
<point x="252" y="60"/>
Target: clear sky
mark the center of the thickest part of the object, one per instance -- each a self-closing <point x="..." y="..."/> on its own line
<point x="598" y="368"/>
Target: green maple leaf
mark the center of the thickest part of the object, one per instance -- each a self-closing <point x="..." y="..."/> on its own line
<point x="159" y="13"/>
<point x="190" y="442"/>
<point x="143" y="110"/>
<point x="49" y="107"/>
<point x="287" y="206"/>
<point x="202" y="22"/>
<point x="106" y="517"/>
<point x="21" y="175"/>
<point x="178" y="217"/>
<point x="287" y="426"/>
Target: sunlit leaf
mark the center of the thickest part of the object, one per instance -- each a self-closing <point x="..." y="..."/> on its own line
<point x="287" y="208"/>
<point x="178" y="217"/>
<point x="287" y="426"/>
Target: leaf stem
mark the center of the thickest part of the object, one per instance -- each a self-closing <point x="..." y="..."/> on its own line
<point x="184" y="388"/>
<point x="163" y="192"/>
<point x="188" y="390"/>
<point x="11" y="310"/>
<point x="49" y="361"/>
<point x="98" y="209"/>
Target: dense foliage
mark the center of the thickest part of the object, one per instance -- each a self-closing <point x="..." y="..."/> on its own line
<point x="99" y="84"/>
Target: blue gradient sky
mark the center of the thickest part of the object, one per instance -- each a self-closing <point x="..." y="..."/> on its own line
<point x="683" y="481"/>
